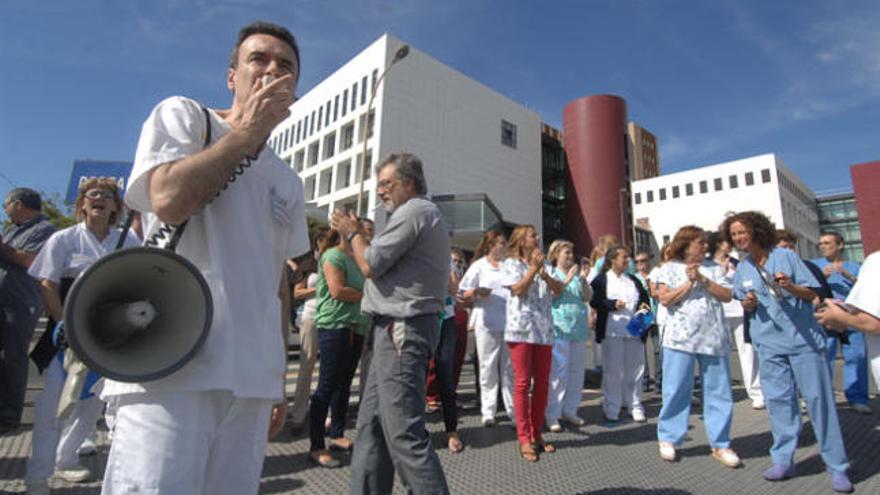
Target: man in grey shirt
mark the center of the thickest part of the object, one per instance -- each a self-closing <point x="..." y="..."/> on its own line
<point x="20" y="300"/>
<point x="407" y="269"/>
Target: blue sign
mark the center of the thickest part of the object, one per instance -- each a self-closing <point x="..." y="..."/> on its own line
<point x="84" y="170"/>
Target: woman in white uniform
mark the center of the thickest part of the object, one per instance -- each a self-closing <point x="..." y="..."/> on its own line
<point x="482" y="284"/>
<point x="65" y="256"/>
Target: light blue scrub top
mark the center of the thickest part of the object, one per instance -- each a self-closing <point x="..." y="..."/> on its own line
<point x="780" y="326"/>
<point x="840" y="285"/>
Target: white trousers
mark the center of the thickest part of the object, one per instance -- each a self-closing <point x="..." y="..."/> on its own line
<point x="747" y="360"/>
<point x="308" y="354"/>
<point x="187" y="443"/>
<point x="566" y="379"/>
<point x="623" y="365"/>
<point x="495" y="369"/>
<point x="872" y="342"/>
<point x="55" y="441"/>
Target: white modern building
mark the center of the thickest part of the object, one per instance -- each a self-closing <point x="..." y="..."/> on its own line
<point x="481" y="150"/>
<point x="705" y="196"/>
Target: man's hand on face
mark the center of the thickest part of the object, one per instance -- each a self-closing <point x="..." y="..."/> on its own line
<point x="265" y="108"/>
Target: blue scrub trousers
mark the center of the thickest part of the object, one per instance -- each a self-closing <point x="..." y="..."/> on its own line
<point x="782" y="376"/>
<point x="855" y="366"/>
<point x="678" y="384"/>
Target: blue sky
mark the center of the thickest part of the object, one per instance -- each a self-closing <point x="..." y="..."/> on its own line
<point x="715" y="81"/>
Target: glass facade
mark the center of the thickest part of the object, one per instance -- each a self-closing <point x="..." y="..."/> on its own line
<point x="838" y="214"/>
<point x="553" y="184"/>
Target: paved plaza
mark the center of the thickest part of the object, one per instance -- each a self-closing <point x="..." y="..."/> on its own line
<point x="593" y="459"/>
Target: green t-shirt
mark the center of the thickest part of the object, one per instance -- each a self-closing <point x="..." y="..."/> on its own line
<point x="332" y="314"/>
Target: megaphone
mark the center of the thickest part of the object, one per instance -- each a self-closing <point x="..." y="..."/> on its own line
<point x="138" y="314"/>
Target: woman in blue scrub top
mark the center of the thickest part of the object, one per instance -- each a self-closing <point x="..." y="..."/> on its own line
<point x="777" y="288"/>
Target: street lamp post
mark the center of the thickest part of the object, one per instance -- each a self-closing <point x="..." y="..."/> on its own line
<point x="401" y="53"/>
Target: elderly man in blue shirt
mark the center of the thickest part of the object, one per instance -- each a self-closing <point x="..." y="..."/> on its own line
<point x="777" y="289"/>
<point x="842" y="275"/>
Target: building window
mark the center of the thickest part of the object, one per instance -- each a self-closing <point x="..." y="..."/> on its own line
<point x="750" y="179"/>
<point x="286" y="139"/>
<point x="704" y="187"/>
<point x="508" y="134"/>
<point x="313" y="154"/>
<point x="335" y="108"/>
<point x="364" y="90"/>
<point x="734" y="182"/>
<point x="662" y="194"/>
<point x="665" y="239"/>
<point x="343" y="175"/>
<point x="312" y="124"/>
<point x="368" y="128"/>
<point x="298" y="130"/>
<point x="689" y="189"/>
<point x="367" y="172"/>
<point x="719" y="184"/>
<point x="310" y="188"/>
<point x="675" y="191"/>
<point x="354" y="96"/>
<point x="650" y="196"/>
<point x="320" y="117"/>
<point x="305" y="127"/>
<point x="327" y="114"/>
<point x="329" y="145"/>
<point x="346" y="136"/>
<point x="638" y="198"/>
<point x="325" y="185"/>
<point x="344" y="102"/>
<point x="298" y="159"/>
<point x="765" y="175"/>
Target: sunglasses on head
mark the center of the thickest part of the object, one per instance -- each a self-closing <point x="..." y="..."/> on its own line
<point x="98" y="194"/>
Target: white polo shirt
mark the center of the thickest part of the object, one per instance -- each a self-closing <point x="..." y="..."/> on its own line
<point x="70" y="251"/>
<point x="489" y="313"/>
<point x="239" y="242"/>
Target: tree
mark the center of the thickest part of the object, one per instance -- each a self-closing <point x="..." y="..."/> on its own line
<point x="58" y="213"/>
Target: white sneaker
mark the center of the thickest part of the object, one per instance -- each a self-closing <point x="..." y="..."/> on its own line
<point x="37" y="487"/>
<point x="74" y="474"/>
<point x="727" y="457"/>
<point x="574" y="420"/>
<point x="87" y="448"/>
<point x="758" y="404"/>
<point x="638" y="416"/>
<point x="667" y="451"/>
<point x="555" y="427"/>
<point x="862" y="408"/>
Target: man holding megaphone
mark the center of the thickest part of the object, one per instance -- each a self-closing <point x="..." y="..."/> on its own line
<point x="203" y="428"/>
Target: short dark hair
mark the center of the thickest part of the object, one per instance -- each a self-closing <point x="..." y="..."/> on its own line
<point x="408" y="167"/>
<point x="612" y="252"/>
<point x="837" y="236"/>
<point x="762" y="230"/>
<point x="29" y="198"/>
<point x="786" y="235"/>
<point x="683" y="238"/>
<point x="263" y="27"/>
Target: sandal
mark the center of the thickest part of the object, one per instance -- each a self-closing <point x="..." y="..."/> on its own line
<point x="454" y="443"/>
<point x="527" y="452"/>
<point x="341" y="443"/>
<point x="545" y="447"/>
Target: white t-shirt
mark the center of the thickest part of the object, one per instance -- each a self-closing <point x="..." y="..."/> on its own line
<point x="308" y="312"/>
<point x="489" y="313"/>
<point x="620" y="287"/>
<point x="865" y="295"/>
<point x="70" y="251"/>
<point x="239" y="242"/>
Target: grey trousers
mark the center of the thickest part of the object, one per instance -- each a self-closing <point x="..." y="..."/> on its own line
<point x="391" y="432"/>
<point x="16" y="329"/>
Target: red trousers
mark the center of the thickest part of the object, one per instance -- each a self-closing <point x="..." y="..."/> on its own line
<point x="531" y="366"/>
<point x="433" y="386"/>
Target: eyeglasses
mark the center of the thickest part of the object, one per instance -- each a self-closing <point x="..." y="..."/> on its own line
<point x="98" y="194"/>
<point x="386" y="184"/>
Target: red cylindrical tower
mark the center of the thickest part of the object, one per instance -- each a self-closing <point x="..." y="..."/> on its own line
<point x="596" y="147"/>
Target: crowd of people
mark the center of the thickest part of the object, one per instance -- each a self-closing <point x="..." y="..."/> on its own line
<point x="401" y="304"/>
